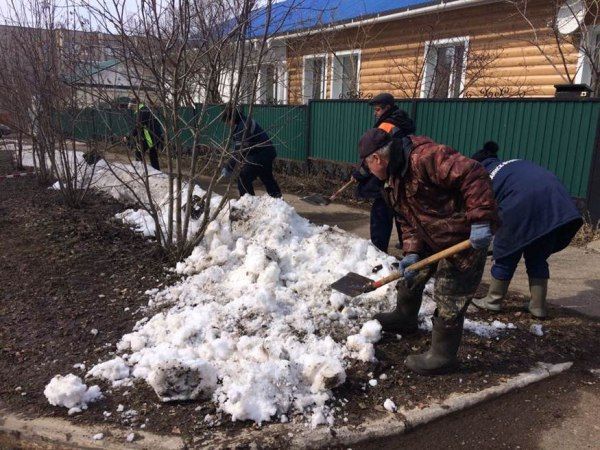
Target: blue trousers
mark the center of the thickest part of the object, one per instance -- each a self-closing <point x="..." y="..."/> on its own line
<point x="536" y="256"/>
<point x="382" y="224"/>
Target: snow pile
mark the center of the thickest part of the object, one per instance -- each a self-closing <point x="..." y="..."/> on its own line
<point x="69" y="391"/>
<point x="124" y="182"/>
<point x="254" y="325"/>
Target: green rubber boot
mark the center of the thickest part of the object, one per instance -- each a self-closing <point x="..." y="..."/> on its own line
<point x="538" y="287"/>
<point x="441" y="357"/>
<point x="403" y="319"/>
<point x="496" y="293"/>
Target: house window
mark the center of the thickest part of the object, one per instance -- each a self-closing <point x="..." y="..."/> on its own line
<point x="272" y="84"/>
<point x="588" y="66"/>
<point x="445" y="65"/>
<point x="246" y="84"/>
<point x="314" y="76"/>
<point x="345" y="70"/>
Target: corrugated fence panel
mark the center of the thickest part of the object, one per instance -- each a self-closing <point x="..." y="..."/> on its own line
<point x="286" y="126"/>
<point x="558" y="135"/>
<point x="337" y="125"/>
<point x="211" y="130"/>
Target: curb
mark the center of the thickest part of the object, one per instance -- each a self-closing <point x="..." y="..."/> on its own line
<point x="54" y="433"/>
<point x="394" y="423"/>
<point x="48" y="433"/>
<point x="17" y="174"/>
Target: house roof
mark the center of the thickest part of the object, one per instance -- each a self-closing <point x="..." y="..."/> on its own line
<point x="300" y="15"/>
<point x="90" y="68"/>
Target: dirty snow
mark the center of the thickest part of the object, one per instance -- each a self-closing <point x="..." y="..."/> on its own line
<point x="253" y="325"/>
<point x="70" y="391"/>
<point x="390" y="405"/>
<point x="536" y="329"/>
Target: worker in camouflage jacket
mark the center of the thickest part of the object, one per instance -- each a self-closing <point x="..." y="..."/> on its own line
<point x="441" y="198"/>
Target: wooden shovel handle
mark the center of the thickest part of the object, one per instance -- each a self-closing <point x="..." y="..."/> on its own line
<point x="342" y="189"/>
<point x="464" y="245"/>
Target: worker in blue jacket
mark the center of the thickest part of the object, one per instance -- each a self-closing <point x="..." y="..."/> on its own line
<point x="539" y="218"/>
<point x="254" y="150"/>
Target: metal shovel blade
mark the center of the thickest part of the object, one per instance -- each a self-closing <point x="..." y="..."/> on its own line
<point x="353" y="284"/>
<point x="316" y="199"/>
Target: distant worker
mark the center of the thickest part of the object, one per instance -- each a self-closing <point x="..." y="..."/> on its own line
<point x="147" y="135"/>
<point x="254" y="150"/>
<point x="395" y="122"/>
<point x="538" y="217"/>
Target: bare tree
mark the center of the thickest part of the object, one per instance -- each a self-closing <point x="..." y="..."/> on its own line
<point x="170" y="53"/>
<point x="40" y="67"/>
<point x="565" y="34"/>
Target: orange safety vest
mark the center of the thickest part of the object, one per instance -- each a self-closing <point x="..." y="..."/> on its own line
<point x="389" y="128"/>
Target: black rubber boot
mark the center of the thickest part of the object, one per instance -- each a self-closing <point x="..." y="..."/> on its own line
<point x="441" y="357"/>
<point x="404" y="319"/>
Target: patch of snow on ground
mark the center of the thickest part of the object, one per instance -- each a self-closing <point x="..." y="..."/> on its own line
<point x="536" y="329"/>
<point x="69" y="391"/>
<point x="390" y="405"/>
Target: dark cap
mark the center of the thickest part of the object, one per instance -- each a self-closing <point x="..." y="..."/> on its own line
<point x="382" y="99"/>
<point x="371" y="141"/>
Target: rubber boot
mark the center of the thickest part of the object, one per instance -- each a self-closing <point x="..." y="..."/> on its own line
<point x="538" y="287"/>
<point x="441" y="357"/>
<point x="493" y="300"/>
<point x="404" y="319"/>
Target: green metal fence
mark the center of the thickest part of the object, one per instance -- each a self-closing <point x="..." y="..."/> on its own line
<point x="559" y="135"/>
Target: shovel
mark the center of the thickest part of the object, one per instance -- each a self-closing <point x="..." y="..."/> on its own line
<point x="354" y="284"/>
<point x="319" y="200"/>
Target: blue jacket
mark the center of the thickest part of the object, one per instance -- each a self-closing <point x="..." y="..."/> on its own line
<point x="532" y="203"/>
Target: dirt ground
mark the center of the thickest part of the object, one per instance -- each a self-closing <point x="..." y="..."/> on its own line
<point x="66" y="273"/>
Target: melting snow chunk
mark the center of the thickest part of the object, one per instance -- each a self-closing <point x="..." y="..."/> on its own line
<point x="536" y="329"/>
<point x="390" y="405"/>
<point x="70" y="391"/>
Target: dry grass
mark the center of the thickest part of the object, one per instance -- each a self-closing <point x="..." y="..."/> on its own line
<point x="589" y="232"/>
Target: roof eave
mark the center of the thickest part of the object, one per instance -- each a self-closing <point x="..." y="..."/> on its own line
<point x="427" y="8"/>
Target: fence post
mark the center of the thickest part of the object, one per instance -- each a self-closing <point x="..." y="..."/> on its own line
<point x="308" y="130"/>
<point x="413" y="111"/>
<point x="593" y="191"/>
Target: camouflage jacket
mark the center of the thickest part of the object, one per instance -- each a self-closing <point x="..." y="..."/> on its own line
<point x="437" y="197"/>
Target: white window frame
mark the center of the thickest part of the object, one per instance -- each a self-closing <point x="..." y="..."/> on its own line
<point x="332" y="69"/>
<point x="305" y="97"/>
<point x="282" y="85"/>
<point x="428" y="76"/>
<point x="584" y="68"/>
